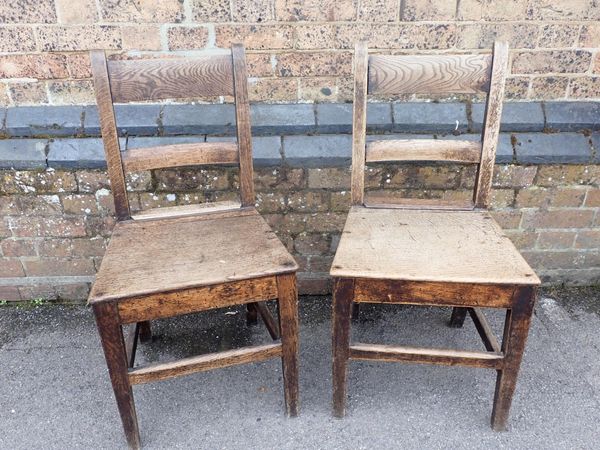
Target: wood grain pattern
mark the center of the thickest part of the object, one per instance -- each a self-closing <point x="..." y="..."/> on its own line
<point x="429" y="74"/>
<point x="155" y="79"/>
<point x="131" y="343"/>
<point x="359" y="122"/>
<point x="343" y="296"/>
<point x="433" y="293"/>
<point x="180" y="155"/>
<point x="111" y="335"/>
<point x="446" y="357"/>
<point x="186" y="301"/>
<point x="186" y="210"/>
<point x="424" y="150"/>
<point x="516" y="330"/>
<point x="157" y="256"/>
<point x="110" y="137"/>
<point x="422" y="245"/>
<point x="485" y="330"/>
<point x="386" y="201"/>
<point x="202" y="363"/>
<point x="242" y="115"/>
<point x="491" y="126"/>
<point x="287" y="298"/>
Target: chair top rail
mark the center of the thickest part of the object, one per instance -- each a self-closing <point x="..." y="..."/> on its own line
<point x="156" y="79"/>
<point x="429" y="74"/>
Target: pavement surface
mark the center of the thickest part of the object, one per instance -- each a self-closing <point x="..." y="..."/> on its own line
<point x="55" y="392"/>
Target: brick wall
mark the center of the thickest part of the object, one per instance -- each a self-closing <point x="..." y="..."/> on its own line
<point x="57" y="222"/>
<point x="298" y="50"/>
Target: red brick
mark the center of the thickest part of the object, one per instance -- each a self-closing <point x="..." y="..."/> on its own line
<point x="27" y="11"/>
<point x="508" y="219"/>
<point x="561" y="218"/>
<point x="17" y="39"/>
<point x="10" y="293"/>
<point x="18" y="247"/>
<point x="312" y="244"/>
<point x="255" y="37"/>
<point x="44" y="66"/>
<point x="88" y="247"/>
<point x="308" y="201"/>
<point x="59" y="267"/>
<point x="320" y="263"/>
<point x="39" y="182"/>
<point x="285" y="179"/>
<point x="326" y="222"/>
<point x="556" y="239"/>
<point x="560" y="61"/>
<point x="512" y="176"/>
<point x="567" y="197"/>
<point x="593" y="197"/>
<point x="55" y="247"/>
<point x="157" y="11"/>
<point x="80" y="204"/>
<point x="313" y="285"/>
<point x="522" y="239"/>
<point x="72" y="291"/>
<point x="270" y="202"/>
<point x="187" y="38"/>
<point x="11" y="267"/>
<point x="588" y="239"/>
<point x="47" y="227"/>
<point x="329" y="178"/>
<point x="315" y="10"/>
<point x="273" y="89"/>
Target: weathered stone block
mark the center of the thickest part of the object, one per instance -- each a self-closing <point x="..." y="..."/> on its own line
<point x="573" y="116"/>
<point x="23" y="153"/>
<point x="552" y="148"/>
<point x="29" y="121"/>
<point x="516" y="116"/>
<point x="317" y="151"/>
<point x="337" y="118"/>
<point x="198" y="119"/>
<point x="430" y="117"/>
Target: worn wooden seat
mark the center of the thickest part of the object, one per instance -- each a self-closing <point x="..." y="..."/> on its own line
<point x="431" y="252"/>
<point x="189" y="258"/>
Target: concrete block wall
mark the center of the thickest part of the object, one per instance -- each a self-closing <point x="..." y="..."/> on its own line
<point x="299" y="51"/>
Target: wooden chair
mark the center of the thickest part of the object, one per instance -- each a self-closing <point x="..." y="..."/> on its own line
<point x="171" y="261"/>
<point x="428" y="252"/>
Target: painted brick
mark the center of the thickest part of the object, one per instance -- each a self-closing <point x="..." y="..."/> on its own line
<point x="516" y="116"/>
<point x="23" y="153"/>
<point x="430" y="117"/>
<point x="573" y="116"/>
<point x="552" y="148"/>
<point x="317" y="151"/>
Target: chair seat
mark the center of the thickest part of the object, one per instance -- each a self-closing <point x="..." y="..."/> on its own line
<point x="149" y="257"/>
<point x="427" y="245"/>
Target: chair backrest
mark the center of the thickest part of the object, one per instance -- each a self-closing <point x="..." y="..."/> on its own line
<point x="428" y="74"/>
<point x="155" y="79"/>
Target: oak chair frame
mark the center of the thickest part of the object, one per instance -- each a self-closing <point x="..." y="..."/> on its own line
<point x="432" y="74"/>
<point x="127" y="81"/>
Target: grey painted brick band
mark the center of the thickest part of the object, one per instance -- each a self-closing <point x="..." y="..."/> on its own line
<point x="522" y="116"/>
<point x="23" y="153"/>
<point x="279" y="119"/>
<point x="297" y="150"/>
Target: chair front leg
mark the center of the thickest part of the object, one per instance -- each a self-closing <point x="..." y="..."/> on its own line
<point x="516" y="329"/>
<point x="288" y="324"/>
<point x="343" y="294"/>
<point x="111" y="335"/>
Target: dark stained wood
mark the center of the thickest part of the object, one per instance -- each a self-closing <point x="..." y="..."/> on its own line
<point x="380" y="201"/>
<point x="433" y="293"/>
<point x="251" y="314"/>
<point x="242" y="116"/>
<point x="457" y="319"/>
<point x="343" y="293"/>
<point x="485" y="330"/>
<point x="155" y="79"/>
<point x="111" y="335"/>
<point x="429" y="74"/>
<point x="177" y="155"/>
<point x="359" y="122"/>
<point x="185" y="301"/>
<point x="145" y="331"/>
<point x="491" y="126"/>
<point x="518" y="320"/>
<point x="445" y="357"/>
<point x="424" y="150"/>
<point x="202" y="363"/>
<point x="110" y="137"/>
<point x="131" y="343"/>
<point x="268" y="320"/>
<point x="287" y="297"/>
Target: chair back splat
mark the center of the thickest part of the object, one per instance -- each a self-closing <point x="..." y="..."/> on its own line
<point x="173" y="78"/>
<point x="428" y="74"/>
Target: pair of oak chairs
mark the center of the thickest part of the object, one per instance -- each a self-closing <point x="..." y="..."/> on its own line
<point x="172" y="261"/>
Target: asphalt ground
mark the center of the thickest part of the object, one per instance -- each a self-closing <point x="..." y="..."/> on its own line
<point x="55" y="392"/>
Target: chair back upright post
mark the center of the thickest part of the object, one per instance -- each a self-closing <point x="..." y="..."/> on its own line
<point x="173" y="78"/>
<point x="428" y="74"/>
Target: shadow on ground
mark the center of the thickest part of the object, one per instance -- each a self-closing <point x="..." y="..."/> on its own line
<point x="55" y="391"/>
